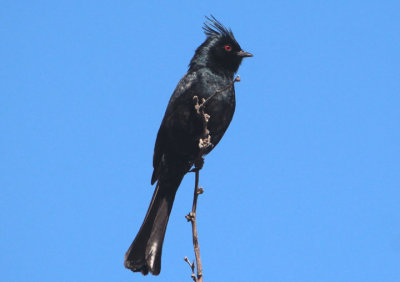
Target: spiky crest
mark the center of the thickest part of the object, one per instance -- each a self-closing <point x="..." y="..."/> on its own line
<point x="214" y="28"/>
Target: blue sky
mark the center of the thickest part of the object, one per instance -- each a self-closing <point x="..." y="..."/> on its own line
<point x="304" y="185"/>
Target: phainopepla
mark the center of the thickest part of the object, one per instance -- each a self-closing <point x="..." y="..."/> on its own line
<point x="210" y="75"/>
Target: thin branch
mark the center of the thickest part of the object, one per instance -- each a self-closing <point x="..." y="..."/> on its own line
<point x="237" y="79"/>
<point x="204" y="144"/>
<point x="192" y="218"/>
<point x="192" y="268"/>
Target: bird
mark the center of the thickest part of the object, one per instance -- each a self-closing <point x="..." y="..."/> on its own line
<point x="210" y="78"/>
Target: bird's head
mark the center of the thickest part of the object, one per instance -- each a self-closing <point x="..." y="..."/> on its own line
<point x="220" y="50"/>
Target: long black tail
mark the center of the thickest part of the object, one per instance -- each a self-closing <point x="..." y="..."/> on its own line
<point x="144" y="254"/>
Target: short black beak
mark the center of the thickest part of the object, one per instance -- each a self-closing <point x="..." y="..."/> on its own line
<point x="244" y="54"/>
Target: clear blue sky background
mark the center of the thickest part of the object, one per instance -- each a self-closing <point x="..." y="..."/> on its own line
<point x="303" y="187"/>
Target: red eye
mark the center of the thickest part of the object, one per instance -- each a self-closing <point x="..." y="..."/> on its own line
<point x="228" y="48"/>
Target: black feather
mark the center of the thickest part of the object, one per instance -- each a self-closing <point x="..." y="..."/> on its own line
<point x="214" y="28"/>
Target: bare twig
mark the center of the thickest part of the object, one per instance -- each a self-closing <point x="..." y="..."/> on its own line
<point x="192" y="268"/>
<point x="204" y="144"/>
<point x="237" y="79"/>
<point x="192" y="218"/>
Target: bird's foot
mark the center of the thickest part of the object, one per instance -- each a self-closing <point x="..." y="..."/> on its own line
<point x="198" y="163"/>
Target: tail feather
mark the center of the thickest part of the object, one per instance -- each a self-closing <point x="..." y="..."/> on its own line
<point x="144" y="254"/>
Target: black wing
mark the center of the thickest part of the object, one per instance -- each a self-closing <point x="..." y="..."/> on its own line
<point x="183" y="95"/>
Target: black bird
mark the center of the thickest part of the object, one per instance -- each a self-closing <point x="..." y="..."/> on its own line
<point x="177" y="146"/>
